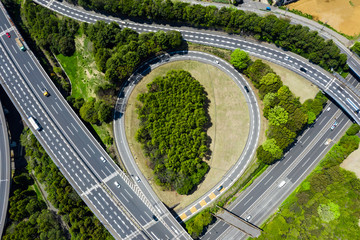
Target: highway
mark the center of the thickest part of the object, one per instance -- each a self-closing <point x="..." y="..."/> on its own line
<point x="263" y="197"/>
<point x="124" y="211"/>
<point x="234" y="173"/>
<point x="4" y="170"/>
<point x="335" y="88"/>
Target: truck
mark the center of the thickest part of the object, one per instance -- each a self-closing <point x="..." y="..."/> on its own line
<point x="34" y="123"/>
<point x="352" y="105"/>
<point x="20" y="44"/>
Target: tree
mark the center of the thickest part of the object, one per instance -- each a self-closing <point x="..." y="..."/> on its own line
<point x="67" y="46"/>
<point x="88" y="112"/>
<point x="356" y="48"/>
<point x="268" y="152"/>
<point x="240" y="59"/>
<point x="278" y="116"/>
<point x="104" y="111"/>
<point x="269" y="83"/>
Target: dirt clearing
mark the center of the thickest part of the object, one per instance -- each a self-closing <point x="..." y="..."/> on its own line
<point x="229" y="131"/>
<point x="343" y="15"/>
<point x="352" y="162"/>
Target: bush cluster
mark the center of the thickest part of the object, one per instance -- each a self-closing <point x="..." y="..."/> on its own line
<point x="173" y="130"/>
<point x="286" y="115"/>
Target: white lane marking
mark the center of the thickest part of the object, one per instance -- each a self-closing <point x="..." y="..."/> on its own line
<point x="248" y="200"/>
<point x="70" y="130"/>
<point x="54" y="109"/>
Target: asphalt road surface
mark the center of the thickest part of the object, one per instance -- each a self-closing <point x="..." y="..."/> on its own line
<point x="334" y="87"/>
<point x="4" y="170"/>
<point x="263" y="197"/>
<point x="234" y="173"/>
<point x="124" y="211"/>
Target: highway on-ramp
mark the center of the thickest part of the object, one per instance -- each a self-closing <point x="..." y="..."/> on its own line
<point x="4" y="170"/>
<point x="252" y="139"/>
<point x="109" y="193"/>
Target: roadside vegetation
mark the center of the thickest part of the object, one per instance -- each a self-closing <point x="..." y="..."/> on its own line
<point x="356" y="48"/>
<point x="327" y="203"/>
<point x="173" y="130"/>
<point x="295" y="38"/>
<point x="287" y="116"/>
<point x="29" y="215"/>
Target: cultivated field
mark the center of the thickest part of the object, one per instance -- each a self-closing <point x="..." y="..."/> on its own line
<point x="343" y="15"/>
<point x="230" y="126"/>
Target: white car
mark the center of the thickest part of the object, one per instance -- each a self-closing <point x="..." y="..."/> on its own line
<point x="248" y="218"/>
<point x="328" y="109"/>
<point x="102" y="159"/>
<point x="117" y="184"/>
<point x="281" y="184"/>
<point x="137" y="179"/>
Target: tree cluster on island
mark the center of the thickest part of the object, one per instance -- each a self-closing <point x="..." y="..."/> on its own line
<point x="173" y="130"/>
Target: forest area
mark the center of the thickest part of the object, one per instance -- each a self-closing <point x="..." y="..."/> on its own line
<point x="326" y="204"/>
<point x="296" y="38"/>
<point x="172" y="131"/>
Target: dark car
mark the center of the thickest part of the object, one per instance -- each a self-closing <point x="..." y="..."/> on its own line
<point x="155" y="218"/>
<point x="303" y="69"/>
<point x="8" y="35"/>
<point x="246" y="89"/>
<point x="219" y="188"/>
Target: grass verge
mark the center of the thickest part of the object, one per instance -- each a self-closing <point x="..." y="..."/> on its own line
<point x="229" y="117"/>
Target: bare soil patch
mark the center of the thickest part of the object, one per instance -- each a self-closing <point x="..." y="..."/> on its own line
<point x="229" y="131"/>
<point x="352" y="162"/>
<point x="343" y="15"/>
<point x="300" y="86"/>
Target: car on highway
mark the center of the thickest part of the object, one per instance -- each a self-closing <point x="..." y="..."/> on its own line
<point x="102" y="159"/>
<point x="137" y="179"/>
<point x="117" y="184"/>
<point x="246" y="89"/>
<point x="334" y="125"/>
<point x="45" y="92"/>
<point x="303" y="69"/>
<point x="219" y="188"/>
<point x="8" y="35"/>
<point x="281" y="184"/>
<point x="217" y="61"/>
<point x="248" y="218"/>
